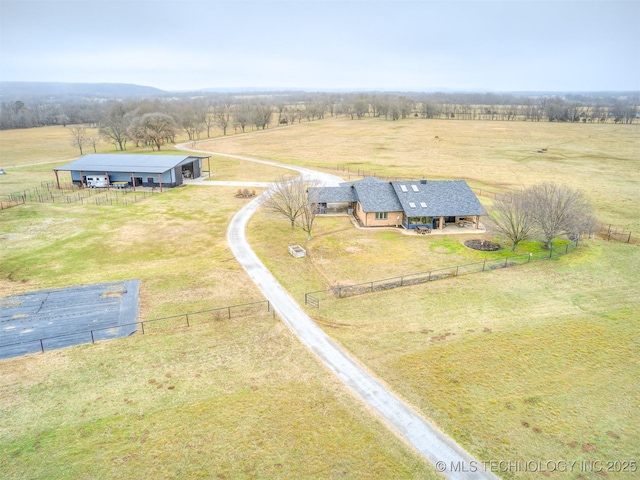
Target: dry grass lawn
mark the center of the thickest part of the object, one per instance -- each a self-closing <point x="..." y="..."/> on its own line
<point x="232" y="399"/>
<point x="235" y="398"/>
<point x="537" y="362"/>
<point x="600" y="159"/>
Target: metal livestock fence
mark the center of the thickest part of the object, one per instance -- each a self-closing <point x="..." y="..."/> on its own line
<point x="343" y="291"/>
<point x="145" y="327"/>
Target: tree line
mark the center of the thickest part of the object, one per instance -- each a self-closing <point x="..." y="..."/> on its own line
<point x="198" y="114"/>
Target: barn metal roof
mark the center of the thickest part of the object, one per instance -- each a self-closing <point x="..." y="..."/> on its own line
<point x="148" y="163"/>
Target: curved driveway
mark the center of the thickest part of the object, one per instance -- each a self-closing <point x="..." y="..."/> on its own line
<point x="437" y="448"/>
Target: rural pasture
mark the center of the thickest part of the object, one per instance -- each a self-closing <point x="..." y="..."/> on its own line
<point x="531" y="363"/>
<point x="537" y="362"/>
<point x="601" y="160"/>
<point x="231" y="398"/>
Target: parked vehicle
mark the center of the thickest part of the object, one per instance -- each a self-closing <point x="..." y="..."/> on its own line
<point x="97" y="181"/>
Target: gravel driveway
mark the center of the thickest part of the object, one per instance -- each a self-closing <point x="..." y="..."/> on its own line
<point x="436" y="447"/>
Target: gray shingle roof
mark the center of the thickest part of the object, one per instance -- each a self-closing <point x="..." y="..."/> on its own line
<point x="446" y="198"/>
<point x="332" y="194"/>
<point x="377" y="197"/>
<point x="126" y="163"/>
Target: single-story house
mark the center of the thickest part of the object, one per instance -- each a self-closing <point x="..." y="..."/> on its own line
<point x="146" y="170"/>
<point x="410" y="204"/>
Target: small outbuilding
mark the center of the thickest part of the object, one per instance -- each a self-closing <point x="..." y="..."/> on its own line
<point x="107" y="170"/>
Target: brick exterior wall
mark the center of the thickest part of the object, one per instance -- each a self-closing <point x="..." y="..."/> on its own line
<point x="369" y="219"/>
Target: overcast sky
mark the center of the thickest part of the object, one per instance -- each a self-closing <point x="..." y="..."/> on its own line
<point x="508" y="45"/>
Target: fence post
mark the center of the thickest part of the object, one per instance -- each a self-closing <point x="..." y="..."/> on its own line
<point x="187" y="315"/>
<point x="484" y="264"/>
<point x="505" y="262"/>
<point x="457" y="267"/>
<point x="550" y="252"/>
<point x="629" y="239"/>
<point x="41" y="346"/>
<point x="142" y="323"/>
<point x="92" y="339"/>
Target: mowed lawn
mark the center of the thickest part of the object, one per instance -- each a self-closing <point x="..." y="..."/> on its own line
<point x="237" y="398"/>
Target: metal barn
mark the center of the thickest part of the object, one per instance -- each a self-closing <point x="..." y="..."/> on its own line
<point x="162" y="171"/>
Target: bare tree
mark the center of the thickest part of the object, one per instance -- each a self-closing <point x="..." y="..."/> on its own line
<point x="188" y="120"/>
<point x="80" y="137"/>
<point x="514" y="217"/>
<point x="241" y="116"/>
<point x="114" y="126"/>
<point x="261" y="115"/>
<point x="288" y="197"/>
<point x="93" y="140"/>
<point x="559" y="210"/>
<point x="158" y="128"/>
<point x="361" y="108"/>
<point x="222" y="117"/>
<point x="135" y="131"/>
<point x="309" y="209"/>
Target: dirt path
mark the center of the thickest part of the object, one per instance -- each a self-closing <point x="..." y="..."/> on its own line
<point x="437" y="448"/>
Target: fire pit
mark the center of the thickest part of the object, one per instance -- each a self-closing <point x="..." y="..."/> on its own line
<point x="482" y="245"/>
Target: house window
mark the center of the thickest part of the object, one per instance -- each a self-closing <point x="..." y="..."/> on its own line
<point x="381" y="215"/>
<point x="420" y="220"/>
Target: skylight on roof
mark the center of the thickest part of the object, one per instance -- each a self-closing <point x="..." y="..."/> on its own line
<point x="412" y="205"/>
<point x="415" y="188"/>
<point x="404" y="188"/>
<point x="423" y="205"/>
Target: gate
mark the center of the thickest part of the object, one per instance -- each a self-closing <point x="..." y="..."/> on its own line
<point x="311" y="300"/>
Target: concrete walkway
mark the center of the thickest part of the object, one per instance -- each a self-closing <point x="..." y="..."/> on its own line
<point x="436" y="447"/>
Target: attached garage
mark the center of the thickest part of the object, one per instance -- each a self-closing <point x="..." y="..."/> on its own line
<point x="163" y="171"/>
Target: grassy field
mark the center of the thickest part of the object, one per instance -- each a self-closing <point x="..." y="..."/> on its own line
<point x="602" y="160"/>
<point x="237" y="398"/>
<point x="538" y="362"/>
<point x="29" y="155"/>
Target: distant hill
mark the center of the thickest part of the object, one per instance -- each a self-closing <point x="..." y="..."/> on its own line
<point x="10" y="91"/>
